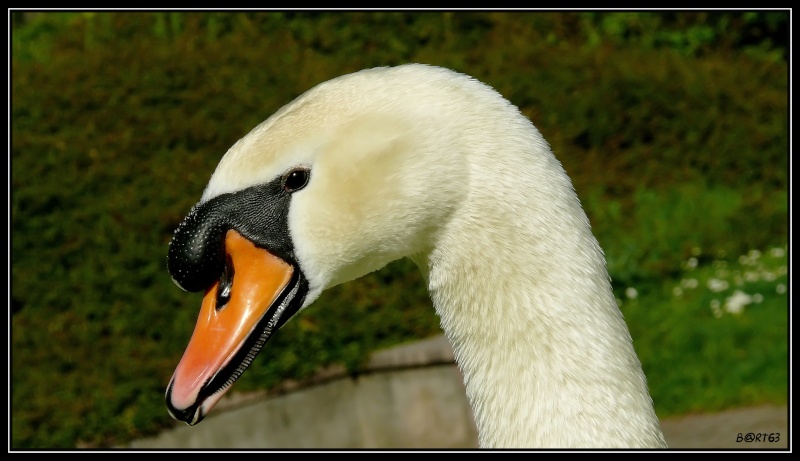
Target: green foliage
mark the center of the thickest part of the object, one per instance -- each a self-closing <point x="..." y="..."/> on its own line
<point x="691" y="34"/>
<point x="673" y="127"/>
<point x="706" y="214"/>
<point x="722" y="331"/>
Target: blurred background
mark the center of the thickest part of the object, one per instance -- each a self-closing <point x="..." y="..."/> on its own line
<point x="672" y="125"/>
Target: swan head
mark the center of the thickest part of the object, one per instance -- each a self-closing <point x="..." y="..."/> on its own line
<point x="355" y="173"/>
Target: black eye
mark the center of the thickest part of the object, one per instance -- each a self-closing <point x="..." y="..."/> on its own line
<point x="296" y="179"/>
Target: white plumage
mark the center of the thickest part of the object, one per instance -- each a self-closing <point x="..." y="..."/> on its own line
<point x="423" y="162"/>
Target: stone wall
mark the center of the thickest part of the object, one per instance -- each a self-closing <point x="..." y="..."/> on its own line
<point x="406" y="397"/>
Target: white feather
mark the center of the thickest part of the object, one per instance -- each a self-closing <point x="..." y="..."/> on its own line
<point x="424" y="162"/>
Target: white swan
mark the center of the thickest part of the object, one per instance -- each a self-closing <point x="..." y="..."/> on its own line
<point x="423" y="162"/>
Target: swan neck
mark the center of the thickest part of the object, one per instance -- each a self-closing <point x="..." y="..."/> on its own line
<point x="526" y="302"/>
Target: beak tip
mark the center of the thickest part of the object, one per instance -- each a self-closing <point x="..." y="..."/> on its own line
<point x="191" y="415"/>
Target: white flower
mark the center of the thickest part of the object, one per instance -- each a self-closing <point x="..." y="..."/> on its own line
<point x="717" y="285"/>
<point x="631" y="293"/>
<point x="737" y="301"/>
<point x="777" y="252"/>
<point x="677" y="292"/>
<point x="780" y="289"/>
<point x="689" y="283"/>
<point x="750" y="258"/>
<point x="757" y="298"/>
<point x="691" y="263"/>
<point x="715" y="308"/>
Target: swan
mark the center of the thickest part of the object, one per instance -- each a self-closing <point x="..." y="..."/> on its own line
<point x="422" y="162"/>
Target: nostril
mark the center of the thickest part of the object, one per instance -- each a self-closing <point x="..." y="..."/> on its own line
<point x="225" y="284"/>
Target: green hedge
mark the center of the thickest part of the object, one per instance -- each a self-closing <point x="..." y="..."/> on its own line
<point x="674" y="128"/>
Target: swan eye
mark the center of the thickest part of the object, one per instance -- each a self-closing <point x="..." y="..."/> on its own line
<point x="296" y="179"/>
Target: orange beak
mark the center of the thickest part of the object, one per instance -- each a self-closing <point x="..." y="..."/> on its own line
<point x="238" y="314"/>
